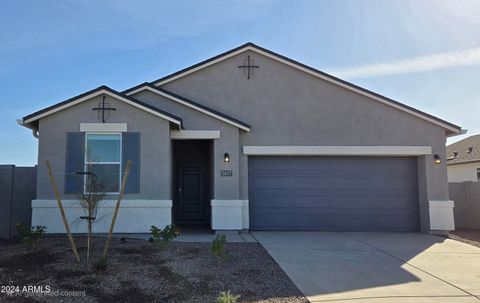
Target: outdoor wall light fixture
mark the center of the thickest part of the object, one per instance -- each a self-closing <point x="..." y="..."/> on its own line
<point x="226" y="158"/>
<point x="437" y="159"/>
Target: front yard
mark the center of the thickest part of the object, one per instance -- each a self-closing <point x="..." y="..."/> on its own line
<point x="140" y="272"/>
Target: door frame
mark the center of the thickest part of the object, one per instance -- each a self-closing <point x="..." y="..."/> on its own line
<point x="200" y="153"/>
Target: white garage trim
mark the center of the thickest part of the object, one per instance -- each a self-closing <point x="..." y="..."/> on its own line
<point x="337" y="150"/>
<point x="441" y="215"/>
<point x="194" y="134"/>
<point x="229" y="214"/>
<point x="103" y="127"/>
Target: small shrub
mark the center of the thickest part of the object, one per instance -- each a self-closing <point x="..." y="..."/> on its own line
<point x="218" y="247"/>
<point x="161" y="237"/>
<point x="227" y="297"/>
<point x="101" y="265"/>
<point x="31" y="236"/>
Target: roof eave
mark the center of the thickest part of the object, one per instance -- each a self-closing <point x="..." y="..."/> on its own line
<point x="451" y="128"/>
<point x="34" y="117"/>
<point x="187" y="102"/>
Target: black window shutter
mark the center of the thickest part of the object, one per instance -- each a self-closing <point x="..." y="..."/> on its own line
<point x="75" y="160"/>
<point x="131" y="151"/>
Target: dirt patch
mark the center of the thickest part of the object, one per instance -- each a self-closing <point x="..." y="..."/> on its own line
<point x="139" y="272"/>
<point x="469" y="236"/>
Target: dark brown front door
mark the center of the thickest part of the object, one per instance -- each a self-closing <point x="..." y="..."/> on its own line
<point x="190" y="193"/>
<point x="191" y="188"/>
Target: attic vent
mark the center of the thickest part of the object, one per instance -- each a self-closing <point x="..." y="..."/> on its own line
<point x="469" y="150"/>
<point x="455" y="154"/>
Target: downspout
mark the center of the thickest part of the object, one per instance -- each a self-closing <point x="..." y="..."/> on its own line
<point x="35" y="132"/>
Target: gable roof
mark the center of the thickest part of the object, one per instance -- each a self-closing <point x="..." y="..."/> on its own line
<point x="28" y="120"/>
<point x="189" y="103"/>
<point x="464" y="151"/>
<point x="451" y="128"/>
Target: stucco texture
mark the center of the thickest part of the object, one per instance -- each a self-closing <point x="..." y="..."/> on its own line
<point x="286" y="106"/>
<point x="224" y="187"/>
<point x="154" y="146"/>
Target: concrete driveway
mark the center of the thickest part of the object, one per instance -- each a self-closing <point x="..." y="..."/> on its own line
<point x="377" y="267"/>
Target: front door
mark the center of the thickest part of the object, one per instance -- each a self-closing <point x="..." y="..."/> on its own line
<point x="191" y="188"/>
<point x="190" y="192"/>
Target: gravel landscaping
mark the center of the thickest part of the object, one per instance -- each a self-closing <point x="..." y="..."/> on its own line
<point x="139" y="272"/>
<point x="470" y="236"/>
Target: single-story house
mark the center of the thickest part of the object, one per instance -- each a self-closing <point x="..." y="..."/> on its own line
<point x="246" y="140"/>
<point x="463" y="160"/>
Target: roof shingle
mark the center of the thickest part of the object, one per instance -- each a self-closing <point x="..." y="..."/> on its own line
<point x="466" y="150"/>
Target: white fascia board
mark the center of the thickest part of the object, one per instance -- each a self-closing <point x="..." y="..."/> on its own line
<point x="98" y="93"/>
<point x="209" y="113"/>
<point x="313" y="73"/>
<point x="103" y="127"/>
<point x="337" y="150"/>
<point x="194" y="134"/>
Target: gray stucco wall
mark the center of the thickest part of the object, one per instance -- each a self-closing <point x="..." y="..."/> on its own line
<point x="286" y="106"/>
<point x="224" y="187"/>
<point x="155" y="149"/>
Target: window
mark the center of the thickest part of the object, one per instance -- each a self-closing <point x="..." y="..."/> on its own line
<point x="478" y="174"/>
<point x="103" y="158"/>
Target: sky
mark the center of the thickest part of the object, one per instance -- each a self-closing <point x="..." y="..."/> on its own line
<point x="425" y="54"/>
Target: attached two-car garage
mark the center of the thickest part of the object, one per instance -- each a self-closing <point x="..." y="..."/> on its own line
<point x="333" y="193"/>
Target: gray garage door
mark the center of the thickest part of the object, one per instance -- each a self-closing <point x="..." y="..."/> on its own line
<point x="333" y="193"/>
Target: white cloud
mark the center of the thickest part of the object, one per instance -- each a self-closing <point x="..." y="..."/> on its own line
<point x="413" y="65"/>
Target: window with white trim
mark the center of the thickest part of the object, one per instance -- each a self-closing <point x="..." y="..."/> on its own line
<point x="103" y="158"/>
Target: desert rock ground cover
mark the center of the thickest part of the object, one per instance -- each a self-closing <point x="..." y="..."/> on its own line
<point x="139" y="272"/>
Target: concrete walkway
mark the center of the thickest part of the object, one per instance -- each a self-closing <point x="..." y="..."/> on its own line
<point x="377" y="267"/>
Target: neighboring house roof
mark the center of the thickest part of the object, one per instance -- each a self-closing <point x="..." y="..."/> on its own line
<point x="189" y="103"/>
<point x="451" y="128"/>
<point x="30" y="120"/>
<point x="464" y="151"/>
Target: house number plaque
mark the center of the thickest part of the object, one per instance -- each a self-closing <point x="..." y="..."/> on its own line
<point x="226" y="173"/>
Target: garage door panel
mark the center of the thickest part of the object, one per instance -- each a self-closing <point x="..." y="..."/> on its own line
<point x="314" y="201"/>
<point x="304" y="174"/>
<point x="352" y="202"/>
<point x="385" y="193"/>
<point x="333" y="193"/>
<point x="391" y="183"/>
<point x="351" y="192"/>
<point x="272" y="201"/>
<point x="270" y="163"/>
<point x="346" y="222"/>
<point x="271" y="182"/>
<point x="311" y="221"/>
<point x="393" y="203"/>
<point x="309" y="182"/>
<point x="350" y="182"/>
<point x="272" y="210"/>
